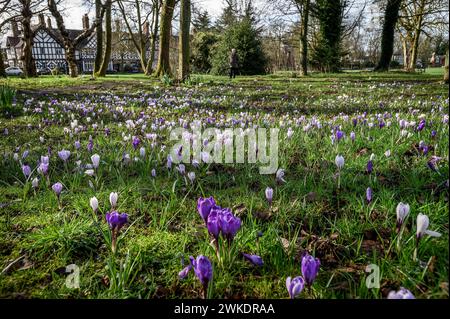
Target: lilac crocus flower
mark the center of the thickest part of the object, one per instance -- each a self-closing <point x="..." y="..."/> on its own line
<point x="43" y="168"/>
<point x="402" y="211"/>
<point x="57" y="188"/>
<point x="279" y="176"/>
<point x="295" y="286"/>
<point x="402" y="293"/>
<point x="64" y="155"/>
<point x="229" y="224"/>
<point x="352" y="136"/>
<point x="213" y="222"/>
<point x="26" y="170"/>
<point x="116" y="220"/>
<point x="203" y="270"/>
<point x="339" y="135"/>
<point x="90" y="145"/>
<point x="77" y="145"/>
<point x="269" y="195"/>
<point x="369" y="194"/>
<point x="421" y="125"/>
<point x="204" y="206"/>
<point x="310" y="268"/>
<point x="136" y="142"/>
<point x="153" y="172"/>
<point x="254" y="259"/>
<point x="185" y="271"/>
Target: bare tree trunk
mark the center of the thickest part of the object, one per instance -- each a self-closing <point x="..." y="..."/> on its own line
<point x="151" y="58"/>
<point x="99" y="35"/>
<point x="387" y="40"/>
<point x="405" y="54"/>
<point x="71" y="44"/>
<point x="304" y="39"/>
<point x="164" y="39"/>
<point x="184" y="39"/>
<point x="29" y="67"/>
<point x="108" y="41"/>
<point x="415" y="42"/>
<point x="446" y="67"/>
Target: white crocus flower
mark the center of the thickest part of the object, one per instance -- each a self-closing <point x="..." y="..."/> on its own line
<point x="422" y="227"/>
<point x="339" y="161"/>
<point x="113" y="199"/>
<point x="402" y="212"/>
<point x="94" y="203"/>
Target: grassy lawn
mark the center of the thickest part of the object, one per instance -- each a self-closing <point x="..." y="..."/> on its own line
<point x="318" y="209"/>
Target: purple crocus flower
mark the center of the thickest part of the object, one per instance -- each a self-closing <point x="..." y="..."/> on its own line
<point x="421" y="125"/>
<point x="369" y="194"/>
<point x="26" y="170"/>
<point x="185" y="271"/>
<point x="90" y="145"/>
<point x="57" y="188"/>
<point x="136" y="142"/>
<point x="433" y="133"/>
<point x="43" y="168"/>
<point x="269" y="195"/>
<point x="339" y="135"/>
<point x="369" y="167"/>
<point x="295" y="286"/>
<point x="64" y="155"/>
<point x="203" y="270"/>
<point x="77" y="145"/>
<point x="352" y="136"/>
<point x="204" y="206"/>
<point x="116" y="220"/>
<point x="310" y="268"/>
<point x="107" y="131"/>
<point x="254" y="259"/>
<point x="402" y="293"/>
<point x="213" y="222"/>
<point x="229" y="224"/>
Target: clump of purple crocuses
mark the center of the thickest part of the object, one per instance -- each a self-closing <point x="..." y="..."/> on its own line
<point x="203" y="271"/>
<point x="310" y="268"/>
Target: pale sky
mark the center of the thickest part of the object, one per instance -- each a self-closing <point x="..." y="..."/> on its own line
<point x="75" y="11"/>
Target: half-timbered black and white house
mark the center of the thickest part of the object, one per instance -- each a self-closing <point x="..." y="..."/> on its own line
<point x="48" y="48"/>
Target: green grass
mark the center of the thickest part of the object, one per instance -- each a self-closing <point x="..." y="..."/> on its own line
<point x="308" y="213"/>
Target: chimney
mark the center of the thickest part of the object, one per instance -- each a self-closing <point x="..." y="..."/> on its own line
<point x="85" y="22"/>
<point x="49" y="23"/>
<point x="41" y="19"/>
<point x="146" y="28"/>
<point x="14" y="28"/>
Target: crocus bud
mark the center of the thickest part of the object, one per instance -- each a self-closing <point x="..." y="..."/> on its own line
<point x="279" y="175"/>
<point x="94" y="203"/>
<point x="369" y="167"/>
<point x="95" y="160"/>
<point x="191" y="176"/>
<point x="402" y="211"/>
<point x="295" y="286"/>
<point x="422" y="227"/>
<point x="310" y="268"/>
<point x="57" y="188"/>
<point x="26" y="170"/>
<point x="204" y="206"/>
<point x="203" y="270"/>
<point x="35" y="182"/>
<point x="113" y="199"/>
<point x="339" y="160"/>
<point x="269" y="195"/>
<point x="369" y="194"/>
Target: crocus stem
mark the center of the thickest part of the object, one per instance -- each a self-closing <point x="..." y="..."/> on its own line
<point x="113" y="242"/>
<point x="205" y="291"/>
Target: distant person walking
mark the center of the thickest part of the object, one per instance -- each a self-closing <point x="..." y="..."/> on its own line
<point x="234" y="64"/>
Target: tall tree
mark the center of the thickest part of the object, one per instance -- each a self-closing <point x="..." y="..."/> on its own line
<point x="327" y="52"/>
<point x="229" y="15"/>
<point x="69" y="43"/>
<point x="106" y="56"/>
<point x="8" y="14"/>
<point x="99" y="38"/>
<point x="140" y="31"/>
<point x="418" y="17"/>
<point x="304" y="8"/>
<point x="27" y="9"/>
<point x="201" y="20"/>
<point x="164" y="38"/>
<point x="391" y="14"/>
<point x="184" y="53"/>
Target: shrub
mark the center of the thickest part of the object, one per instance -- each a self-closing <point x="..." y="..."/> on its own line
<point x="8" y="104"/>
